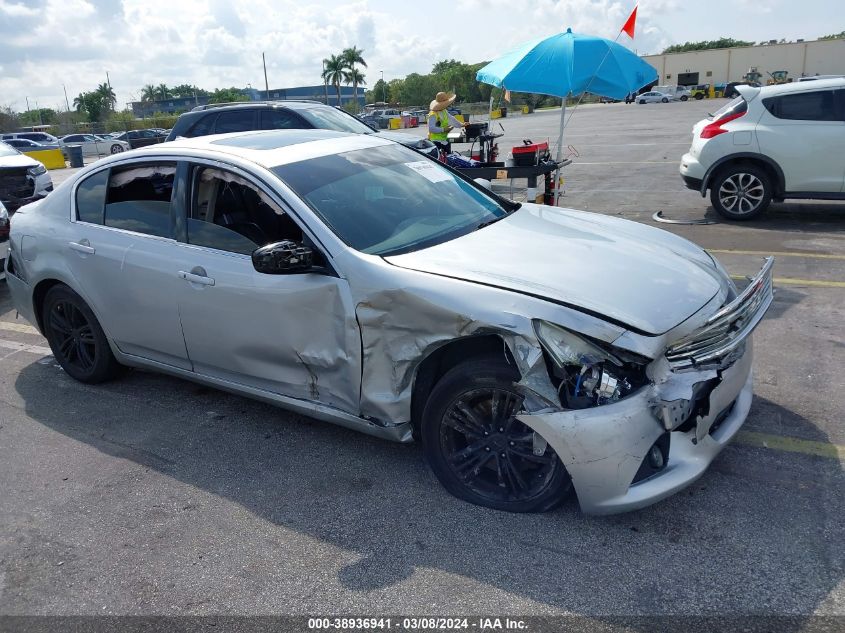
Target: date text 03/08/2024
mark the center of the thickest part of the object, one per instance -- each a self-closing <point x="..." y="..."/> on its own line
<point x="416" y="624"/>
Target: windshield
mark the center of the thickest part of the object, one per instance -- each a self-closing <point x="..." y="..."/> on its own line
<point x="333" y="119"/>
<point x="7" y="150"/>
<point x="389" y="200"/>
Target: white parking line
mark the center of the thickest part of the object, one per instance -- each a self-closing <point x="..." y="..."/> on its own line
<point x="18" y="327"/>
<point x="23" y="347"/>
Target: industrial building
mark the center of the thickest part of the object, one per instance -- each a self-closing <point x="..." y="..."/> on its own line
<point x="723" y="65"/>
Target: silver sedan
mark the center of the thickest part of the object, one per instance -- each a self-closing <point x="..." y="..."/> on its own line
<point x="532" y="350"/>
<point x="94" y="145"/>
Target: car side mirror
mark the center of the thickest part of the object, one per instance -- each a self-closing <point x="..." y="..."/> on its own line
<point x="283" y="258"/>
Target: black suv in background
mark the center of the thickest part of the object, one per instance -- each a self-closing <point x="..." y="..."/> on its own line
<point x="282" y="115"/>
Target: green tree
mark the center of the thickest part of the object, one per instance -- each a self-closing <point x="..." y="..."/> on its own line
<point x="834" y="36"/>
<point x="162" y="91"/>
<point x="352" y="58"/>
<point x="227" y="95"/>
<point x="722" y="42"/>
<point x="378" y="93"/>
<point x="335" y="66"/>
<point x="395" y="89"/>
<point x="148" y="93"/>
<point x="90" y="103"/>
<point x="355" y="78"/>
<point x="187" y="90"/>
<point x="107" y="97"/>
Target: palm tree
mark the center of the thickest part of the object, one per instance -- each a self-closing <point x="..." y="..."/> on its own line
<point x="107" y="96"/>
<point x="353" y="76"/>
<point x="79" y="102"/>
<point x="162" y="91"/>
<point x="353" y="56"/>
<point x="148" y="93"/>
<point x="335" y="67"/>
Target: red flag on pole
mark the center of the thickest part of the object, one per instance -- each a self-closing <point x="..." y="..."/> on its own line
<point x="628" y="27"/>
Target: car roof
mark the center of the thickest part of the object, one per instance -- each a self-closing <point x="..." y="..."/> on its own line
<point x="801" y="86"/>
<point x="268" y="148"/>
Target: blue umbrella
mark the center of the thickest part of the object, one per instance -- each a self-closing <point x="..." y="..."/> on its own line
<point x="569" y="64"/>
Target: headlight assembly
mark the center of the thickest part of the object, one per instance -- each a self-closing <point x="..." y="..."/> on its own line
<point x="588" y="374"/>
<point x="37" y="170"/>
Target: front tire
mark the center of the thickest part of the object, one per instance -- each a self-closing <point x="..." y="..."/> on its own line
<point x="76" y="338"/>
<point x="478" y="449"/>
<point x="741" y="192"/>
<point x="684" y="98"/>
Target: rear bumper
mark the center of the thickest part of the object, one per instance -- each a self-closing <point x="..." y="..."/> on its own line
<point x="692" y="173"/>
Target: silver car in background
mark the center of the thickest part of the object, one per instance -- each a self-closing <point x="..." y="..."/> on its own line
<point x="532" y="350"/>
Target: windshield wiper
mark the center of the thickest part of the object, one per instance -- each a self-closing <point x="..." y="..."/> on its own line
<point x="489" y="222"/>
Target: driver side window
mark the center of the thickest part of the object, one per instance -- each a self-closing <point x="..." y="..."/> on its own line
<point x="229" y="213"/>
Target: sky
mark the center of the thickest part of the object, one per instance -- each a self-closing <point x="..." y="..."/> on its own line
<point x="48" y="44"/>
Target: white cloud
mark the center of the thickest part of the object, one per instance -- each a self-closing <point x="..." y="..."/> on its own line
<point x="218" y="43"/>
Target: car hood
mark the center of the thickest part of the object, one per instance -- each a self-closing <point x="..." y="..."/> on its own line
<point x="642" y="277"/>
<point x="18" y="160"/>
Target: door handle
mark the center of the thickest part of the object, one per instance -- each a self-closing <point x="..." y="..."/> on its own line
<point x="196" y="279"/>
<point x="82" y="247"/>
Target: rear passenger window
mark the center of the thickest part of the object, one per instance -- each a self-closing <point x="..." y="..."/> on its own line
<point x="138" y="199"/>
<point x="203" y="127"/>
<point x="281" y="120"/>
<point x="91" y="196"/>
<point x="804" y="106"/>
<point x="235" y="121"/>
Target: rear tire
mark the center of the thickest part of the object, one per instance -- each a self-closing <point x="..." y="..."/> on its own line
<point x="664" y="100"/>
<point x="684" y="97"/>
<point x="76" y="338"/>
<point x="699" y="97"/>
<point x="116" y="149"/>
<point x="478" y="449"/>
<point x="741" y="192"/>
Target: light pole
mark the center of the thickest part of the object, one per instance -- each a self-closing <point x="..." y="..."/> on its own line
<point x="383" y="88"/>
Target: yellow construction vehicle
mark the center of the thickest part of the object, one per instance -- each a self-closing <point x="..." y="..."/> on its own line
<point x="778" y="77"/>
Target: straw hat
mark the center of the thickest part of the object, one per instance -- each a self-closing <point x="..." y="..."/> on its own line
<point x="442" y="101"/>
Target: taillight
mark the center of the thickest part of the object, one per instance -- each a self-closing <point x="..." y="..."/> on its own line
<point x="714" y="129"/>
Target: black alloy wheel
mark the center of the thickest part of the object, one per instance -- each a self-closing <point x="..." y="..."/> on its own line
<point x="76" y="338"/>
<point x="478" y="448"/>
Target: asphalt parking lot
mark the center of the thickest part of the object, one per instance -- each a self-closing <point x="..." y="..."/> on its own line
<point x="152" y="495"/>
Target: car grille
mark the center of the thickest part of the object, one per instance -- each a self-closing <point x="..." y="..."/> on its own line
<point x="15" y="186"/>
<point x="722" y="338"/>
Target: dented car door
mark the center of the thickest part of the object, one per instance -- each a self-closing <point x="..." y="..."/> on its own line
<point x="289" y="334"/>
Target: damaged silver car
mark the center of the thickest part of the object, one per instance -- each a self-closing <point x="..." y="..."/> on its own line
<point x="532" y="350"/>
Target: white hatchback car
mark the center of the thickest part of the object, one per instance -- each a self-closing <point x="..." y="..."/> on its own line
<point x="770" y="143"/>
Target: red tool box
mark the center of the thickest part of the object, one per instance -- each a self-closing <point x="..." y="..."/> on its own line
<point x="529" y="154"/>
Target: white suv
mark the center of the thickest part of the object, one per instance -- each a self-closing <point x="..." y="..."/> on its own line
<point x="770" y="143"/>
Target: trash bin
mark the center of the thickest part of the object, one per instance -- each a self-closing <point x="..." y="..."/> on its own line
<point x="504" y="111"/>
<point x="74" y="154"/>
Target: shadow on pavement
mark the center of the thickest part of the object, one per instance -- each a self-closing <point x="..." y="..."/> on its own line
<point x="748" y="538"/>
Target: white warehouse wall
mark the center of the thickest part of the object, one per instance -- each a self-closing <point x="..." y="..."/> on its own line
<point x="819" y="57"/>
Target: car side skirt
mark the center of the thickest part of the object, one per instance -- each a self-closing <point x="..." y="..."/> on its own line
<point x="401" y="432"/>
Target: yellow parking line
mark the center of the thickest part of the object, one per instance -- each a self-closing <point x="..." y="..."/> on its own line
<point x="788" y="281"/>
<point x="791" y="444"/>
<point x="18" y="327"/>
<point x="730" y="251"/>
